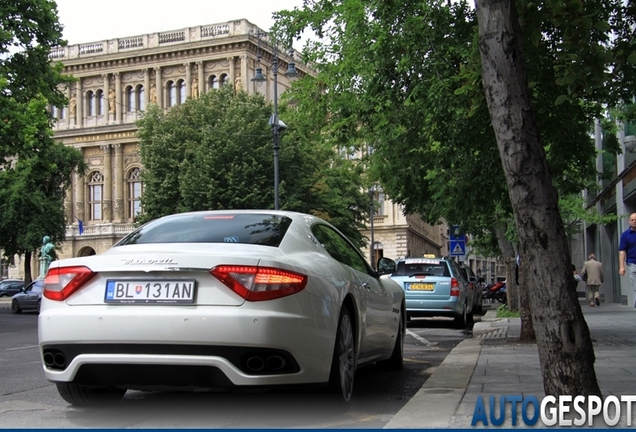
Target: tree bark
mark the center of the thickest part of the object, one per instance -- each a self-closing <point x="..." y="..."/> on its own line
<point x="508" y="251"/>
<point x="565" y="348"/>
<point x="28" y="278"/>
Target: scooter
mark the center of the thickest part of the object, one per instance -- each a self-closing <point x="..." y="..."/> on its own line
<point x="496" y="292"/>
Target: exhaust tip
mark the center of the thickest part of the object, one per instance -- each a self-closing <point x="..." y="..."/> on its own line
<point x="255" y="364"/>
<point x="276" y="363"/>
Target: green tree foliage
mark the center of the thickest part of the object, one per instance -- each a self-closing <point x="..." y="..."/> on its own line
<point x="34" y="169"/>
<point x="405" y="76"/>
<point x="215" y="152"/>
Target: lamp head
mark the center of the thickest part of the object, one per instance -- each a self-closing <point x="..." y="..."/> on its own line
<point x="291" y="70"/>
<point x="259" y="78"/>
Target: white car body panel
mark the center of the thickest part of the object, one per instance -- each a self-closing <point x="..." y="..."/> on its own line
<point x="303" y="324"/>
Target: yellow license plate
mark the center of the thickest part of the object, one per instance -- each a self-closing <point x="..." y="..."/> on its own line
<point x="421" y="287"/>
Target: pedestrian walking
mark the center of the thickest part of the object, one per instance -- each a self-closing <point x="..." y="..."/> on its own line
<point x="592" y="274"/>
<point x="627" y="253"/>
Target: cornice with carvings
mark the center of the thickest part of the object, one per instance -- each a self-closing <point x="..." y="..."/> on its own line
<point x="162" y="59"/>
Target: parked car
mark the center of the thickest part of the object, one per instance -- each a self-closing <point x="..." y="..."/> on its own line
<point x="29" y="298"/>
<point x="435" y="287"/>
<point x="9" y="287"/>
<point x="218" y="299"/>
<point x="478" y="293"/>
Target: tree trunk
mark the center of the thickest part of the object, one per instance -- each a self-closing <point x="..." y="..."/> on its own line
<point x="565" y="348"/>
<point x="527" y="330"/>
<point x="512" y="290"/>
<point x="27" y="269"/>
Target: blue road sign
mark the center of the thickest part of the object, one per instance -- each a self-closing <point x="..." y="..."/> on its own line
<point x="457" y="248"/>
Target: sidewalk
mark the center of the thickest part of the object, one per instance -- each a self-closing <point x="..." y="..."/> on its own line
<point x="494" y="363"/>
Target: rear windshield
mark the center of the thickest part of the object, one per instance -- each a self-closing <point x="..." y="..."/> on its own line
<point x="432" y="268"/>
<point x="252" y="228"/>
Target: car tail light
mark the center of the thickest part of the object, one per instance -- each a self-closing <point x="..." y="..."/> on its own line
<point x="454" y="288"/>
<point x="260" y="283"/>
<point x="61" y="282"/>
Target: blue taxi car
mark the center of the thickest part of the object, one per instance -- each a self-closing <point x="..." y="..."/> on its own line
<point x="435" y="287"/>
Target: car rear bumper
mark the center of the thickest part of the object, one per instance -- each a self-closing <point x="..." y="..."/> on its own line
<point x="431" y="308"/>
<point x="113" y="344"/>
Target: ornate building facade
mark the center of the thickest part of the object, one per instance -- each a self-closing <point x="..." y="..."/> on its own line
<point x="117" y="78"/>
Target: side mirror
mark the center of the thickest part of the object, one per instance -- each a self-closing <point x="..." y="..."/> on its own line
<point x="386" y="266"/>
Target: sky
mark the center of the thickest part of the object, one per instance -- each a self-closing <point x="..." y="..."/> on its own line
<point x="97" y="20"/>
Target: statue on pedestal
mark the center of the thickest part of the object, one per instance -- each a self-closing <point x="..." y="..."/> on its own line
<point x="47" y="254"/>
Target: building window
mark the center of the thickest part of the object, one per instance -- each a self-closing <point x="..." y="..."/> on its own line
<point x="181" y="91"/>
<point x="225" y="80"/>
<point x="90" y="103"/>
<point x="172" y="93"/>
<point x="57" y="113"/>
<point x="141" y="98"/>
<point x="130" y="99"/>
<point x="213" y="82"/>
<point x="135" y="190"/>
<point x="99" y="102"/>
<point x="95" y="194"/>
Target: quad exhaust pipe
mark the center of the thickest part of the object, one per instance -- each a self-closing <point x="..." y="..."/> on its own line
<point x="264" y="364"/>
<point x="54" y="359"/>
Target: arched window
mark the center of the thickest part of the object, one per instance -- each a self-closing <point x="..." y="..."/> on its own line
<point x="182" y="91"/>
<point x="135" y="190"/>
<point x="130" y="99"/>
<point x="141" y="98"/>
<point x="90" y="103"/>
<point x="95" y="195"/>
<point x="213" y="82"/>
<point x="99" y="102"/>
<point x="172" y="93"/>
<point x="225" y="80"/>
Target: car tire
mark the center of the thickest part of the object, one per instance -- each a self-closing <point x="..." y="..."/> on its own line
<point x="87" y="396"/>
<point x="461" y="319"/>
<point x="396" y="362"/>
<point x="343" y="364"/>
<point x="39" y="304"/>
<point x="15" y="308"/>
<point x="480" y="306"/>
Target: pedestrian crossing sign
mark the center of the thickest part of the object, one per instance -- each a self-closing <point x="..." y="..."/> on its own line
<point x="457" y="248"/>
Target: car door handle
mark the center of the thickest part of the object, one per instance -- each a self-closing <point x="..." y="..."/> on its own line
<point x="366" y="285"/>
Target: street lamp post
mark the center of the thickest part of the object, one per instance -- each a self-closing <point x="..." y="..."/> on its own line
<point x="276" y="124"/>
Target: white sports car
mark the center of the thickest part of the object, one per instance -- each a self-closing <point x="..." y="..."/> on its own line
<point x="218" y="299"/>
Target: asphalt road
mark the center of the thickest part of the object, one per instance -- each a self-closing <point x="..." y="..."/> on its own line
<point x="28" y="400"/>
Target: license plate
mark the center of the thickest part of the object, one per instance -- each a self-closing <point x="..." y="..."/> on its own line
<point x="165" y="291"/>
<point x="421" y="287"/>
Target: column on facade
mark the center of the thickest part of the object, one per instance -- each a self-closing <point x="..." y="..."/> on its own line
<point x="68" y="206"/>
<point x="119" y="183"/>
<point x="79" y="99"/>
<point x="201" y="77"/>
<point x="106" y="98"/>
<point x="146" y="87"/>
<point x="158" y="81"/>
<point x="79" y="195"/>
<point x="188" y="80"/>
<point x="232" y="72"/>
<point x="108" y="184"/>
<point x="118" y="101"/>
<point x="67" y="112"/>
<point x="244" y="79"/>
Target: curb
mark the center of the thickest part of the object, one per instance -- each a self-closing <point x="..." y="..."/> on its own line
<point x="434" y="405"/>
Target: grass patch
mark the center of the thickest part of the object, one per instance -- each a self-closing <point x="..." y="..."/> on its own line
<point x="504" y="312"/>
